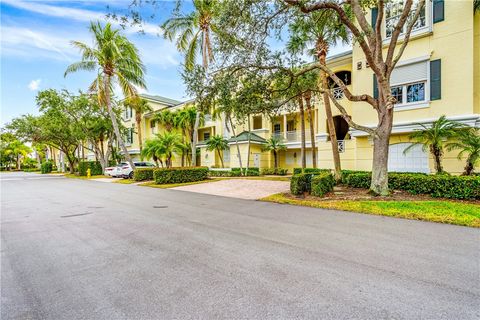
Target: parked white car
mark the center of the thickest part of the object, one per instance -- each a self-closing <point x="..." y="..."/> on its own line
<point x="126" y="169"/>
<point x="115" y="171"/>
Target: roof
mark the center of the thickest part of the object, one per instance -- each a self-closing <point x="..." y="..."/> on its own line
<point x="339" y="55"/>
<point x="160" y="99"/>
<point x="243" y="137"/>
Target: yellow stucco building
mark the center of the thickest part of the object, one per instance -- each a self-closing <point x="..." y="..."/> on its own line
<point x="438" y="74"/>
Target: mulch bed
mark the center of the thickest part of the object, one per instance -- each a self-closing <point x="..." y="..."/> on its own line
<point x="342" y="192"/>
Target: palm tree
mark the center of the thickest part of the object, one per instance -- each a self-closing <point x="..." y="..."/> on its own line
<point x="140" y="106"/>
<point x="116" y="60"/>
<point x="275" y="145"/>
<point x="170" y="142"/>
<point x="323" y="30"/>
<point x="193" y="33"/>
<point x="433" y="138"/>
<point x="166" y="118"/>
<point x="218" y="143"/>
<point x="155" y="150"/>
<point x="468" y="142"/>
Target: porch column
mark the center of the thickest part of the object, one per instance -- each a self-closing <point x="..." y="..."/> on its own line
<point x="285" y="126"/>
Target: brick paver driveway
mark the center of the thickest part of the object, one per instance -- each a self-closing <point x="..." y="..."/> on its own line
<point x="239" y="188"/>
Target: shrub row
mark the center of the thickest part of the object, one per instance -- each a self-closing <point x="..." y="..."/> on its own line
<point x="440" y="186"/>
<point x="322" y="184"/>
<point x="179" y="175"/>
<point x="300" y="183"/>
<point x="310" y="170"/>
<point x="254" y="171"/>
<point x="94" y="166"/>
<point x="223" y="173"/>
<point x="142" y="174"/>
<point x="46" y="167"/>
<point x="273" y="171"/>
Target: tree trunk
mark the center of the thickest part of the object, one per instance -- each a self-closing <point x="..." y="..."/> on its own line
<point x="311" y="118"/>
<point x="138" y="117"/>
<point x="437" y="157"/>
<point x="468" y="170"/>
<point x="195" y="138"/>
<point x="322" y="49"/>
<point x="220" y="156"/>
<point x="275" y="160"/>
<point x="18" y="162"/>
<point x="248" y="146"/>
<point x="302" y="132"/>
<point x="113" y="118"/>
<point x="238" y="147"/>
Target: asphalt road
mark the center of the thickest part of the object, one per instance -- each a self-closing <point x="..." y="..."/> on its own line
<point x="75" y="249"/>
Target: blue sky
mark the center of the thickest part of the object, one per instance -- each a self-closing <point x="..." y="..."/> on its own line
<point x="35" y="50"/>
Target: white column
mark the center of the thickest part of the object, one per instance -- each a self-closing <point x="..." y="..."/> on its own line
<point x="285" y="126"/>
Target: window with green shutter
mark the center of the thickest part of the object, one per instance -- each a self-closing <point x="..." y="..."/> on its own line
<point x="435" y="79"/>
<point x="374" y="17"/>
<point x="438" y="10"/>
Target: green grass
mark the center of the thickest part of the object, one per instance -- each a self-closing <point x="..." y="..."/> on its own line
<point x="458" y="213"/>
<point x="152" y="184"/>
<point x="125" y="181"/>
<point x="69" y="175"/>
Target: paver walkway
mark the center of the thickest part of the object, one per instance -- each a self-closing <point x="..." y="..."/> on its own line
<point x="239" y="188"/>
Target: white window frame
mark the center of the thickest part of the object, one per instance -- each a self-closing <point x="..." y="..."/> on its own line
<point x="417" y="104"/>
<point x="425" y="29"/>
<point x="128" y="113"/>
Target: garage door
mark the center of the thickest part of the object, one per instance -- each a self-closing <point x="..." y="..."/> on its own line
<point x="415" y="160"/>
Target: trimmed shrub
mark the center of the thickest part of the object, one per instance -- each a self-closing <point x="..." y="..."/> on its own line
<point x="273" y="171"/>
<point x="358" y="179"/>
<point x="142" y="174"/>
<point x="223" y="173"/>
<point x="46" y="167"/>
<point x="322" y="184"/>
<point x="300" y="183"/>
<point x="94" y="166"/>
<point x="310" y="170"/>
<point x="179" y="175"/>
<point x="254" y="171"/>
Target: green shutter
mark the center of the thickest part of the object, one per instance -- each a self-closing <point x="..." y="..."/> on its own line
<point x="435" y="79"/>
<point x="374" y="17"/>
<point x="375" y="86"/>
<point x="438" y="10"/>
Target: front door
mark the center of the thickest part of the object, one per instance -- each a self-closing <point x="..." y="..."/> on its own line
<point x="256" y="160"/>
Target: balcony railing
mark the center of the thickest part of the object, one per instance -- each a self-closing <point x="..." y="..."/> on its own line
<point x="337" y="93"/>
<point x="291" y="136"/>
<point x="341" y="146"/>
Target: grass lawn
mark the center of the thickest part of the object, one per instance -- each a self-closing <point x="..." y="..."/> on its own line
<point x="69" y="175"/>
<point x="458" y="213"/>
<point x="125" y="181"/>
<point x="152" y="184"/>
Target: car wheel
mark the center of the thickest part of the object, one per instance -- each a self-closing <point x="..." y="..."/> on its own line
<point x="130" y="176"/>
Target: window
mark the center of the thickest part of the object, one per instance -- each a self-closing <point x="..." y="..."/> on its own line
<point x="276" y="128"/>
<point x="129" y="136"/>
<point x="127" y="113"/>
<point x="290" y="125"/>
<point x="257" y="122"/>
<point x="409" y="83"/>
<point x="206" y="136"/>
<point x="226" y="155"/>
<point x="393" y="11"/>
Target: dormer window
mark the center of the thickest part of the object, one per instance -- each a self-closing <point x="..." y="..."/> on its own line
<point x="393" y="12"/>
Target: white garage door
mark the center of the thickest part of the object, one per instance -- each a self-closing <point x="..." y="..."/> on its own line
<point x="415" y="160"/>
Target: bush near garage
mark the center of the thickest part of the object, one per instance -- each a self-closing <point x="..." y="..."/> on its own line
<point x="310" y="170"/>
<point x="300" y="183"/>
<point x="322" y="184"/>
<point x="439" y="186"/>
<point x="46" y="167"/>
<point x="254" y="171"/>
<point x="179" y="175"/>
<point x="94" y="166"/>
<point x="273" y="171"/>
<point x="142" y="174"/>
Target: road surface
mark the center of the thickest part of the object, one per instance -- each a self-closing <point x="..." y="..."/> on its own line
<point x="76" y="249"/>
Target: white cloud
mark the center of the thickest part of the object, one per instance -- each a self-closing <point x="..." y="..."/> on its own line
<point x="75" y="14"/>
<point x="34" y="85"/>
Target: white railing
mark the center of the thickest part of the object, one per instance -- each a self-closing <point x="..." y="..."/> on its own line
<point x="337" y="93"/>
<point x="292" y="136"/>
<point x="341" y="146"/>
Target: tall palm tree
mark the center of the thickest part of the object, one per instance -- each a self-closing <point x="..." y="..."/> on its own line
<point x="193" y="33"/>
<point x="433" y="138"/>
<point x="116" y="60"/>
<point x="166" y="118"/>
<point x="275" y="145"/>
<point x="468" y="142"/>
<point x="322" y="30"/>
<point x="140" y="106"/>
<point x="155" y="150"/>
<point x="218" y="143"/>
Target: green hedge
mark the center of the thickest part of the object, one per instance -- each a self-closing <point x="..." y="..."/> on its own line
<point x="440" y="186"/>
<point x="254" y="171"/>
<point x="300" y="183"/>
<point x="322" y="184"/>
<point x="94" y="166"/>
<point x="273" y="171"/>
<point x="223" y="173"/>
<point x="142" y="174"/>
<point x="46" y="167"/>
<point x="179" y="175"/>
<point x="310" y="170"/>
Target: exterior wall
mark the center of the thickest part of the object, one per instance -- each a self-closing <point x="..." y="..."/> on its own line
<point x="264" y="157"/>
<point x="476" y="63"/>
